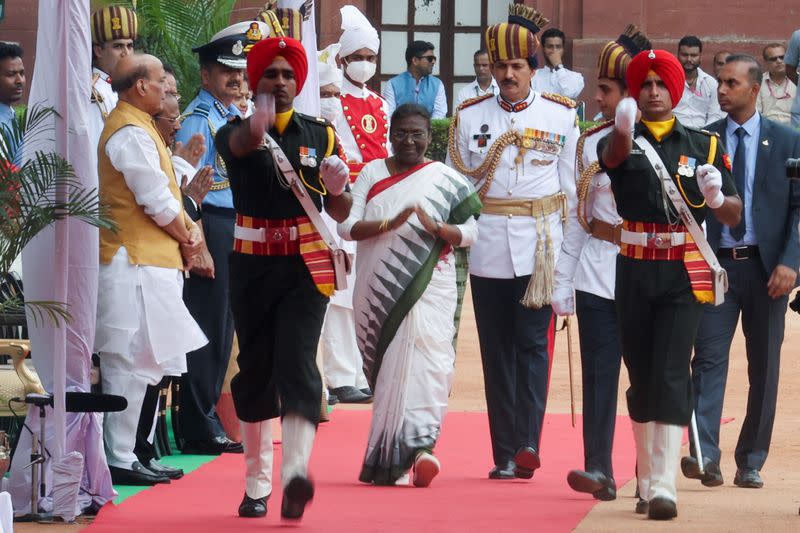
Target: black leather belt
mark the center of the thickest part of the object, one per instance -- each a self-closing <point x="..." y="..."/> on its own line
<point x="739" y="253"/>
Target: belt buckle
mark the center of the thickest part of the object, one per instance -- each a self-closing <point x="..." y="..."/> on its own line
<point x="656" y="240"/>
<point x="735" y="253"/>
<point x="276" y="234"/>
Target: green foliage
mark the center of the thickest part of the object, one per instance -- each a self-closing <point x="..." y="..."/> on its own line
<point x="34" y="194"/>
<point x="169" y="29"/>
<point x="441" y="126"/>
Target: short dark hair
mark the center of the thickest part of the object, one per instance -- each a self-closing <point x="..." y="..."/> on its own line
<point x="480" y="52"/>
<point x="754" y="72"/>
<point x="120" y="84"/>
<point x="410" y="110"/>
<point x="690" y="41"/>
<point x="11" y="50"/>
<point x="553" y="32"/>
<point x="416" y="49"/>
<point x="771" y="45"/>
<point x="169" y="70"/>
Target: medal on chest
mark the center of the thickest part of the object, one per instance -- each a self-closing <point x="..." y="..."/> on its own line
<point x="483" y="136"/>
<point x="686" y="166"/>
<point x="308" y="156"/>
<point x="543" y="141"/>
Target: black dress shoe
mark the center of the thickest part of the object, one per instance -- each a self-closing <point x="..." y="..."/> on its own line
<point x="525" y="462"/>
<point x="367" y="391"/>
<point x="711" y="476"/>
<point x="136" y="475"/>
<point x="212" y="446"/>
<point x="641" y="506"/>
<point x="298" y="492"/>
<point x="332" y="399"/>
<point x="595" y="483"/>
<point x="164" y="470"/>
<point x="253" y="507"/>
<point x="748" y="478"/>
<point x="350" y="394"/>
<point x="505" y="471"/>
<point x="661" y="509"/>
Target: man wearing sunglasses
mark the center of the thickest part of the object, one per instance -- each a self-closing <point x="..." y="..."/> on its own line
<point x="777" y="91"/>
<point x="418" y="85"/>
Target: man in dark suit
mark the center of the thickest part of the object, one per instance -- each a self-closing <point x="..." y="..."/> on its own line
<point x="761" y="255"/>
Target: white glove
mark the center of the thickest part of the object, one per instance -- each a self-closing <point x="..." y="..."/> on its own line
<point x="334" y="173"/>
<point x="563" y="301"/>
<point x="626" y="114"/>
<point x="709" y="180"/>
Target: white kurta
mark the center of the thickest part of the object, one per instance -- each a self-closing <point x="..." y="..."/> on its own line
<point x="586" y="263"/>
<point x="133" y="152"/>
<point x="562" y="81"/>
<point x="506" y="246"/>
<point x="699" y="106"/>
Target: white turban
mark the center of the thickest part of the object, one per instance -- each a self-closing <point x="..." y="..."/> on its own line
<point x="357" y="32"/>
<point x="329" y="72"/>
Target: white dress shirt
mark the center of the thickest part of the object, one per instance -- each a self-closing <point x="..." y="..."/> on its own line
<point x="506" y="245"/>
<point x="585" y="263"/>
<point x="699" y="106"/>
<point x="751" y="139"/>
<point x="775" y="100"/>
<point x="474" y="89"/>
<point x="560" y="81"/>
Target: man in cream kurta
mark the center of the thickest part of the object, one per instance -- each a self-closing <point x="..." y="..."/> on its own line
<point x="142" y="324"/>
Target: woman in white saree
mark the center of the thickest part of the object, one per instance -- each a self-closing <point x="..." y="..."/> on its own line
<point x="408" y="213"/>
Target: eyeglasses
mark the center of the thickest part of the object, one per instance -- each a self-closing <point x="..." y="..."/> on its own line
<point x="402" y="136"/>
<point x="775" y="58"/>
<point x="168" y="119"/>
<point x="429" y="58"/>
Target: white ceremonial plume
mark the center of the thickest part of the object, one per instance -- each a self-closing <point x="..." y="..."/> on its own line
<point x="329" y="72"/>
<point x="357" y="32"/>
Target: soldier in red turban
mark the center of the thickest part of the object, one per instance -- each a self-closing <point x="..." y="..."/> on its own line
<point x="664" y="268"/>
<point x="279" y="287"/>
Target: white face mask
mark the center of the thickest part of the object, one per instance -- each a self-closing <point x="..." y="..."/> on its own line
<point x="330" y="108"/>
<point x="361" y="71"/>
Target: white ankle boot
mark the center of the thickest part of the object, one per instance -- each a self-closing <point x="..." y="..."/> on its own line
<point x="257" y="442"/>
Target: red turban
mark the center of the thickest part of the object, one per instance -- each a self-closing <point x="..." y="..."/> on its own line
<point x="666" y="65"/>
<point x="264" y="53"/>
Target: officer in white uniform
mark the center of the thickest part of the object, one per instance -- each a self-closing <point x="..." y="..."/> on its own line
<point x="520" y="147"/>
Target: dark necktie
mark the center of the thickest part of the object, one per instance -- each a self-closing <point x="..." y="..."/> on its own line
<point x="739" y="165"/>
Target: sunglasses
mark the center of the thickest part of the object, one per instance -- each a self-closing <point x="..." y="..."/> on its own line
<point x="775" y="58"/>
<point x="429" y="58"/>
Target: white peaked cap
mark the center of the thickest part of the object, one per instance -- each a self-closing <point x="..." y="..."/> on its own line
<point x="357" y="32"/>
<point x="326" y="66"/>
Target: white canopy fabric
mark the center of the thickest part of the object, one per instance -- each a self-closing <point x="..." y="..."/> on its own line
<point x="61" y="263"/>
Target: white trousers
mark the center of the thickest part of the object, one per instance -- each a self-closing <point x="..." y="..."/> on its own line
<point x="341" y="358"/>
<point x="298" y="440"/>
<point x="658" y="451"/>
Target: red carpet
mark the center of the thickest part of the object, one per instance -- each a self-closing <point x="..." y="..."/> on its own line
<point x="460" y="499"/>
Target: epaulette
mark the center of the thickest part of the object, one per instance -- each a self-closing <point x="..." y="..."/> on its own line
<point x="311" y="118"/>
<point x="700" y="130"/>
<point x="202" y="109"/>
<point x="560" y="99"/>
<point x="599" y="127"/>
<point x="474" y="100"/>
